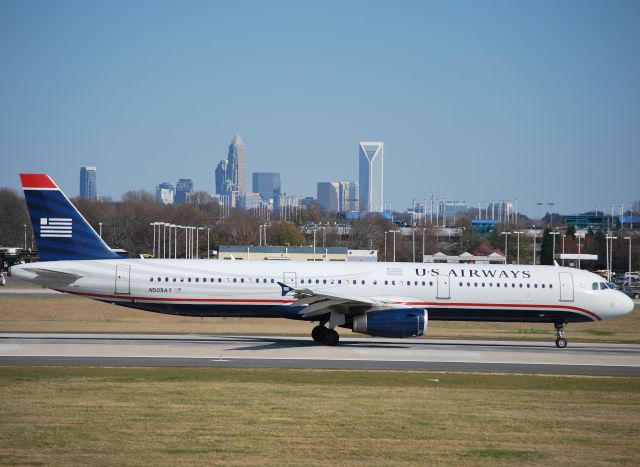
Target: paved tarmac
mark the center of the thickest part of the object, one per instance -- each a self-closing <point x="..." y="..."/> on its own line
<point x="298" y="352"/>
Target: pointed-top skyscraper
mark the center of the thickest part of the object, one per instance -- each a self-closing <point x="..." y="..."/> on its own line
<point x="237" y="165"/>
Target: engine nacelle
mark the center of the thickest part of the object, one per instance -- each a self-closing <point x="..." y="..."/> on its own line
<point x="393" y="322"/>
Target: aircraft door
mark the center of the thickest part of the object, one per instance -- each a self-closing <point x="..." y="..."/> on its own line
<point x="566" y="286"/>
<point x="290" y="279"/>
<point x="123" y="279"/>
<point x="443" y="287"/>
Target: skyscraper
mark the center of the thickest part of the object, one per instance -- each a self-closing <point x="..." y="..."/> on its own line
<point x="221" y="177"/>
<point x="328" y="195"/>
<point x="237" y="165"/>
<point x="348" y="196"/>
<point x="88" y="188"/>
<point x="165" y="193"/>
<point x="267" y="184"/>
<point x="371" y="171"/>
<point x="183" y="187"/>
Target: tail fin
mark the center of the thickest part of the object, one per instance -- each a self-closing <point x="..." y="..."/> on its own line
<point x="59" y="229"/>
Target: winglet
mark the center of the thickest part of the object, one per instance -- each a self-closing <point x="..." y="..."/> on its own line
<point x="285" y="288"/>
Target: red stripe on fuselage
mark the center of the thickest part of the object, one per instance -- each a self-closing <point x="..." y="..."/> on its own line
<point x="37" y="181"/>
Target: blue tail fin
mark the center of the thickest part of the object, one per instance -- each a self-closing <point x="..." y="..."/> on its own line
<point x="59" y="229"/>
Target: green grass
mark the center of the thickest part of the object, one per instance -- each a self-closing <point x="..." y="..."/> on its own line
<point x="142" y="416"/>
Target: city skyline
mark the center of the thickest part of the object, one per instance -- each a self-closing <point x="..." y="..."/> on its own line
<point x="478" y="101"/>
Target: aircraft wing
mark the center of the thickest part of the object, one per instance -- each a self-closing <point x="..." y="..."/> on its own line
<point x="318" y="304"/>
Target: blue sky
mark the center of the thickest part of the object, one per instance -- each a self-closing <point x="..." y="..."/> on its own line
<point x="474" y="100"/>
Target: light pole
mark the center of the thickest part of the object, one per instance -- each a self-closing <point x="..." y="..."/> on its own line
<point x="629" y="238"/>
<point x="25" y="237"/>
<point x="518" y="256"/>
<point x="100" y="225"/>
<point x="579" y="235"/>
<point x="563" y="236"/>
<point x="198" y="229"/>
<point x="175" y="239"/>
<point x="413" y="243"/>
<point x="314" y="243"/>
<point x="385" y="245"/>
<point x="610" y="255"/>
<point x="553" y="255"/>
<point x="260" y="234"/>
<point x="423" y="232"/>
<point x="208" y="247"/>
<point x="153" y="224"/>
<point x="394" y="245"/>
<point x="534" y="246"/>
<point x="506" y="245"/>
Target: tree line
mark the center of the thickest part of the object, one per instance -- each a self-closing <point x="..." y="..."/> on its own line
<point x="126" y="225"/>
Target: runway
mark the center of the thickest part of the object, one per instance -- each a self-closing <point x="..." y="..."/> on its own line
<point x="301" y="352"/>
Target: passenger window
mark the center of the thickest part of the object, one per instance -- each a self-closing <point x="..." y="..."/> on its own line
<point x="423" y="283"/>
<point x="363" y="282"/>
<point x="375" y="282"/>
<point x="317" y="281"/>
<point x="542" y="286"/>
<point x="551" y="286"/>
<point x="497" y="284"/>
<point x="159" y="279"/>
<point x="272" y="281"/>
<point x="151" y="279"/>
<point x="235" y="280"/>
<point x="528" y="286"/>
<point x="386" y="282"/>
<point x="430" y="282"/>
<point x="460" y="284"/>
<point x="513" y="285"/>
<point x="520" y="286"/>
<point x="535" y="286"/>
<point x="355" y="282"/>
<point x="189" y="279"/>
<point x="393" y="282"/>
<point x="242" y="280"/>
<point x="339" y="281"/>
<point x="324" y="281"/>
<point x="197" y="279"/>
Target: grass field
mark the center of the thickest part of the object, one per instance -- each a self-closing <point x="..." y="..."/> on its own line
<point x="117" y="416"/>
<point x="64" y="313"/>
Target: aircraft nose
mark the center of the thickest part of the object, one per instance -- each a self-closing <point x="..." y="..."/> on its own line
<point x="626" y="304"/>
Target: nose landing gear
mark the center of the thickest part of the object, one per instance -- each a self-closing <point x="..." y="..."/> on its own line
<point x="561" y="342"/>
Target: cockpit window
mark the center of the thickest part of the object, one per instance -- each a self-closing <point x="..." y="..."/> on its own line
<point x="603" y="286"/>
<point x="611" y="286"/>
<point x="594" y="286"/>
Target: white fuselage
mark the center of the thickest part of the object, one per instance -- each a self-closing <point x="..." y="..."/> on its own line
<point x="481" y="292"/>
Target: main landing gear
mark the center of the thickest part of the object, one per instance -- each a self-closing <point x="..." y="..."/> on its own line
<point x="325" y="336"/>
<point x="561" y="342"/>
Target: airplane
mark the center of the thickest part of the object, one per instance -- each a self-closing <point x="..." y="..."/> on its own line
<point x="377" y="299"/>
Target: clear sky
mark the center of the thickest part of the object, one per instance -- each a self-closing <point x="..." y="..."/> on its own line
<point x="474" y="100"/>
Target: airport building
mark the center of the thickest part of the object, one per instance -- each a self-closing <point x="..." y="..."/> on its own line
<point x="267" y="184"/>
<point x="371" y="180"/>
<point x="88" y="187"/>
<point x="295" y="253"/>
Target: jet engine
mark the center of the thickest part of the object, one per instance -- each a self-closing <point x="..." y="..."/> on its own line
<point x="393" y="322"/>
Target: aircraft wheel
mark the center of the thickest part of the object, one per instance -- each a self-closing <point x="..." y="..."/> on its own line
<point x="317" y="332"/>
<point x="330" y="337"/>
<point x="561" y="343"/>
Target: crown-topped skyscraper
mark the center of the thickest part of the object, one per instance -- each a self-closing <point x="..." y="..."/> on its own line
<point x="237" y="165"/>
<point x="371" y="170"/>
